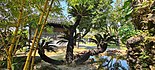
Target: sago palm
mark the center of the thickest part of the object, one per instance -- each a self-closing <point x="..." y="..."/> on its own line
<point x="99" y="39"/>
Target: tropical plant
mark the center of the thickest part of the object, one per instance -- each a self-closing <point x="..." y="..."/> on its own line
<point x="41" y="51"/>
<point x="80" y="9"/>
<point x="99" y="38"/>
<point x="126" y="31"/>
<point x="64" y="38"/>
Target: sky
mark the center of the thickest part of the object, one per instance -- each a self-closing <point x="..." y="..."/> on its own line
<point x="64" y="6"/>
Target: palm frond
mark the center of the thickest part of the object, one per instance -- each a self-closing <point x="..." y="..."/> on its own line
<point x="105" y="36"/>
<point x="64" y="37"/>
<point x="93" y="40"/>
<point x="111" y="38"/>
<point x="81" y="40"/>
<point x="49" y="47"/>
<point x="42" y="43"/>
<point x="98" y="37"/>
<point x="61" y="41"/>
<point x="48" y="42"/>
<point x="52" y="46"/>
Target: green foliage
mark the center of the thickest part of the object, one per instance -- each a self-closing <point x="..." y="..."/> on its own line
<point x="17" y="63"/>
<point x="10" y="15"/>
<point x="98" y="40"/>
<point x="105" y="38"/>
<point x="49" y="29"/>
<point x="127" y="31"/>
<point x="101" y="13"/>
<point x="85" y="25"/>
<point x="127" y="9"/>
<point x="6" y="36"/>
<point x="144" y="55"/>
<point x="17" y="66"/>
<point x="45" y="44"/>
<point x="3" y="63"/>
<point x="64" y="38"/>
<point x="94" y="14"/>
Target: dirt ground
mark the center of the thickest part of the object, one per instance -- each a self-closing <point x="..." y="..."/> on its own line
<point x="60" y="54"/>
<point x="62" y="51"/>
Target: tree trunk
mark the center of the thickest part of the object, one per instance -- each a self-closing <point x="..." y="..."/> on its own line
<point x="70" y="45"/>
<point x="82" y="58"/>
<point x="118" y="39"/>
<point x="78" y="44"/>
<point x="119" y="42"/>
<point x="78" y="60"/>
<point x="49" y="60"/>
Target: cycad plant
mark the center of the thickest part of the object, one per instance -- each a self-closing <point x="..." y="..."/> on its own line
<point x="98" y="40"/>
<point x="41" y="52"/>
<point x="65" y="38"/>
<point x="106" y="38"/>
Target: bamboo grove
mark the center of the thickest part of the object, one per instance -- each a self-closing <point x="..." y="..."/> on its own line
<point x="38" y="32"/>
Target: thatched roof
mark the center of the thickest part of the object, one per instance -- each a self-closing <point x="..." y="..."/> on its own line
<point x="57" y="22"/>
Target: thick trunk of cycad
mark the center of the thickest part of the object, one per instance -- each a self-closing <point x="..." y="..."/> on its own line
<point x="41" y="52"/>
<point x="70" y="45"/>
<point x="82" y="58"/>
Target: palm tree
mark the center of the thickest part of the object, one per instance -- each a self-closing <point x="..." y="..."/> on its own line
<point x="77" y="9"/>
<point x="105" y="39"/>
<point x="65" y="38"/>
<point x="41" y="52"/>
<point x="102" y="43"/>
<point x="99" y="39"/>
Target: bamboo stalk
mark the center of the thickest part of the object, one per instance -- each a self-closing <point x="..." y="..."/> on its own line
<point x="14" y="38"/>
<point x="14" y="52"/>
<point x="18" y="39"/>
<point x="34" y="39"/>
<point x="40" y="33"/>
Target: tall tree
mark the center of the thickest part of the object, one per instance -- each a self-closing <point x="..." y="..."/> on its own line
<point x="81" y="9"/>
